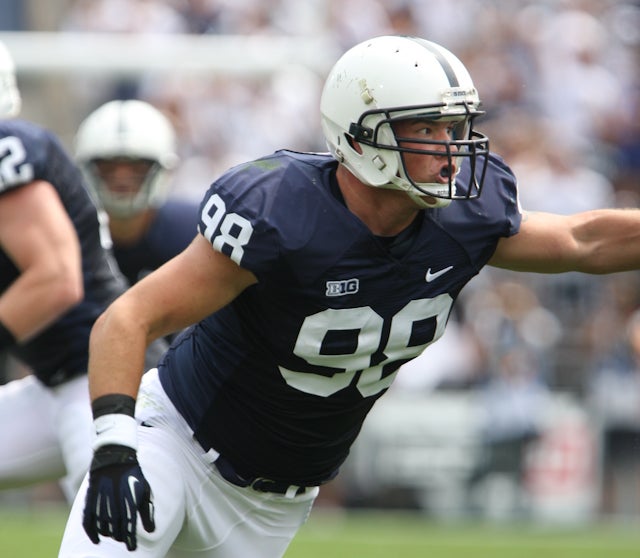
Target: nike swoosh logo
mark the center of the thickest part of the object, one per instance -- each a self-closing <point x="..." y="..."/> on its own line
<point x="431" y="276"/>
<point x="133" y="482"/>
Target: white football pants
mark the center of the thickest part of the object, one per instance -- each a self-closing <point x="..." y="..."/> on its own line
<point x="45" y="433"/>
<point x="198" y="514"/>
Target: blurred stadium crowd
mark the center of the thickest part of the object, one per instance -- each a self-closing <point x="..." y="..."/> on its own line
<point x="560" y="81"/>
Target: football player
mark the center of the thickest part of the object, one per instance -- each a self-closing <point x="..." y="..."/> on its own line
<point x="56" y="277"/>
<point x="127" y="150"/>
<point x="313" y="278"/>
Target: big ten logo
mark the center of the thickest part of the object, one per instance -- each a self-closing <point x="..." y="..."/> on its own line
<point x="345" y="287"/>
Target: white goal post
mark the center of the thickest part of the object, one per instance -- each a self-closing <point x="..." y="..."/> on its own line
<point x="122" y="54"/>
<point x="51" y="66"/>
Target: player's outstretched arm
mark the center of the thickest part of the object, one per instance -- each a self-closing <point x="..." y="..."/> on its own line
<point x="597" y="242"/>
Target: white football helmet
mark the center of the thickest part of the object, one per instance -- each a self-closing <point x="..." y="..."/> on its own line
<point x="389" y="78"/>
<point x="10" y="101"/>
<point x="128" y="130"/>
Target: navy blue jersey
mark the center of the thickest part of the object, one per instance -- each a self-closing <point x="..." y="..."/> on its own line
<point x="171" y="231"/>
<point x="280" y="380"/>
<point x="29" y="153"/>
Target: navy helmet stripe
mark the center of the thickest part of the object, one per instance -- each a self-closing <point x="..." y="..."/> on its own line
<point x="447" y="68"/>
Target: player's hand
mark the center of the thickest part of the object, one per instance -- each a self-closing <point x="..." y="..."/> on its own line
<point x="118" y="492"/>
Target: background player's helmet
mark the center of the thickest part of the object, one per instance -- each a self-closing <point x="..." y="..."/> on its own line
<point x="10" y="101"/>
<point x="128" y="130"/>
<point x="389" y="78"/>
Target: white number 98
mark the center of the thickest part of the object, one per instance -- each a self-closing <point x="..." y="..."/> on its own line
<point x="232" y="229"/>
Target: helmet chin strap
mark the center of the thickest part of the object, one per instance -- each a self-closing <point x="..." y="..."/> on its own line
<point x="421" y="195"/>
<point x="428" y="202"/>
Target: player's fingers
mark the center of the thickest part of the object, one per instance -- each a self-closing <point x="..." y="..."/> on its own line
<point x="147" y="522"/>
<point x="90" y="518"/>
<point x="129" y="525"/>
<point x="89" y="525"/>
<point x="147" y="511"/>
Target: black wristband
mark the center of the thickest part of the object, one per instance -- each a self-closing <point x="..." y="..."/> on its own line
<point x="106" y="456"/>
<point x="112" y="404"/>
<point x="7" y="339"/>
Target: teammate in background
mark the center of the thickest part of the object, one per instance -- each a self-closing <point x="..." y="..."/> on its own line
<point x="127" y="150"/>
<point x="55" y="280"/>
<point x="313" y="278"/>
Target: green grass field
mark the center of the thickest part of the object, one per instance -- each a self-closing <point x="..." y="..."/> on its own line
<point x="36" y="534"/>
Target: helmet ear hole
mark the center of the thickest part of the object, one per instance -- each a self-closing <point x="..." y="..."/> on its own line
<point x="353" y="144"/>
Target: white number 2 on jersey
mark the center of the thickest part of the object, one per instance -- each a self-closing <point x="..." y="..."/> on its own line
<point x="13" y="169"/>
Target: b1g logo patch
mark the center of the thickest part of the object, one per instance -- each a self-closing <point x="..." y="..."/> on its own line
<point x="339" y="288"/>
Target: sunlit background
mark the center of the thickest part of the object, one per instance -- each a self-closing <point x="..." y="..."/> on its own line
<point x="529" y="407"/>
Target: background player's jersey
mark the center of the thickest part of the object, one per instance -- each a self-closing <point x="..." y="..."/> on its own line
<point x="170" y="233"/>
<point x="283" y="377"/>
<point x="29" y="153"/>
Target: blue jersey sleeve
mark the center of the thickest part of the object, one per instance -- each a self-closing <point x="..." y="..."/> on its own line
<point x="24" y="150"/>
<point x="261" y="212"/>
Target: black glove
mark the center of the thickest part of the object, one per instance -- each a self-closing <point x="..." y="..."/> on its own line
<point x="117" y="493"/>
